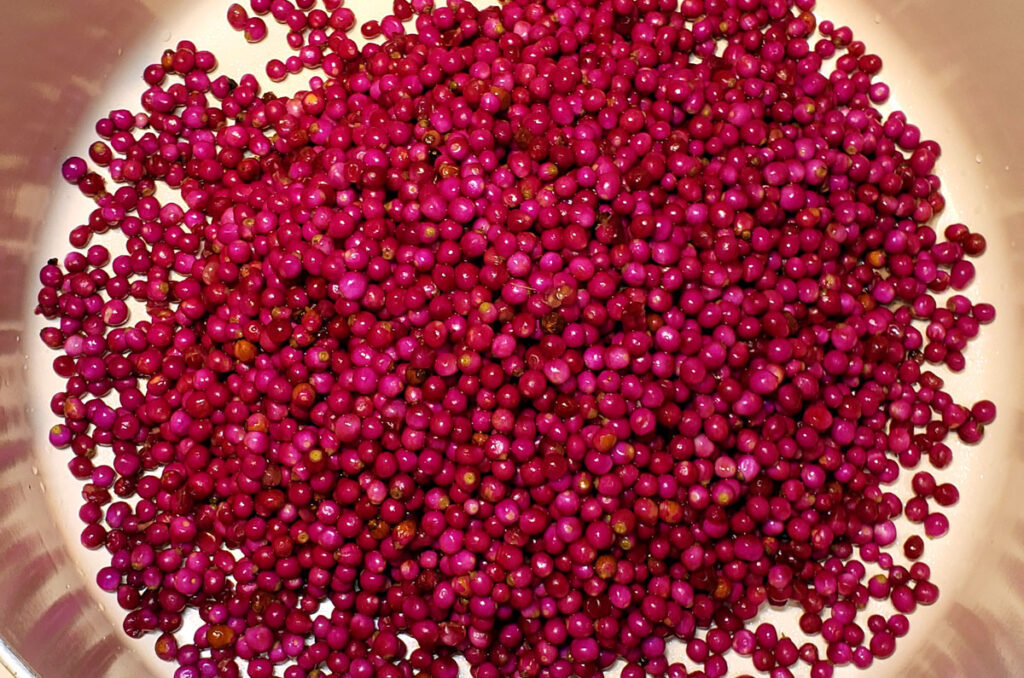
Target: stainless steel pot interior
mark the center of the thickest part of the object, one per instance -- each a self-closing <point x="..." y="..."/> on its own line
<point x="58" y="54"/>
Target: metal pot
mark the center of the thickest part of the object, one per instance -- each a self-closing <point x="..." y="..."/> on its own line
<point x="953" y="66"/>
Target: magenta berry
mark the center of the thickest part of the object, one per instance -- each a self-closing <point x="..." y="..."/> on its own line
<point x="541" y="334"/>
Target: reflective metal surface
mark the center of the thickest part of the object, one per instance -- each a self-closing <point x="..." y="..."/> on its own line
<point x="56" y="56"/>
